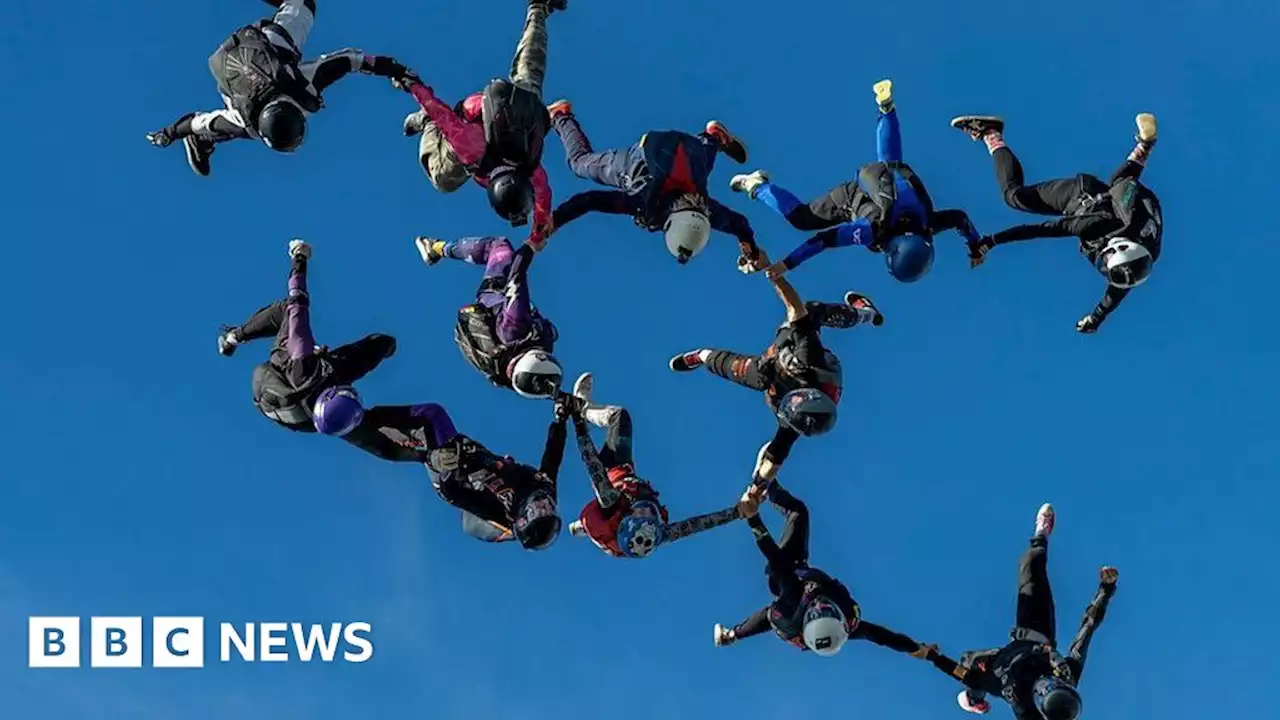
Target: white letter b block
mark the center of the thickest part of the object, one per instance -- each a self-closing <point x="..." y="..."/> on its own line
<point x="177" y="642"/>
<point x="115" y="642"/>
<point x="53" y="642"/>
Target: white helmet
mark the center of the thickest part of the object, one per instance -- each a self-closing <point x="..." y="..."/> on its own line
<point x="536" y="374"/>
<point x="824" y="628"/>
<point x="1124" y="263"/>
<point x="687" y="233"/>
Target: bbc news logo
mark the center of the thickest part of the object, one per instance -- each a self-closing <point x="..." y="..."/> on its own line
<point x="179" y="642"/>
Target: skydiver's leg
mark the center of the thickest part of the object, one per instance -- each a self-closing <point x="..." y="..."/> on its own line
<point x="795" y="531"/>
<point x="617" y="448"/>
<point x="437" y="157"/>
<point x="823" y="212"/>
<point x="1051" y="197"/>
<point x="757" y="623"/>
<point x="888" y="138"/>
<point x="355" y="360"/>
<point x="1035" y="596"/>
<point x="264" y="323"/>
<point x="495" y="253"/>
<point x="608" y="168"/>
<point x="292" y="21"/>
<point x="516" y="319"/>
<point x="745" y="370"/>
<point x="1093" y="617"/>
<point x="529" y="66"/>
<point x="842" y="315"/>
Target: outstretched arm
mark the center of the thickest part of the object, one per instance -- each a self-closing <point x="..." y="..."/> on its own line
<point x="885" y="637"/>
<point x="857" y="232"/>
<point x="1107" y="305"/>
<point x="973" y="678"/>
<point x="553" y="452"/>
<point x="606" y="494"/>
<point x="541" y="204"/>
<point x="700" y="523"/>
<point x="329" y="68"/>
<point x="733" y="223"/>
<point x="957" y="220"/>
<point x="613" y="202"/>
<point x="796" y="310"/>
<point x="1049" y="229"/>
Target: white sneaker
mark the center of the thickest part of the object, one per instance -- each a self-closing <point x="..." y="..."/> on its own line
<point x="722" y="636"/>
<point x="583" y="388"/>
<point x="299" y="248"/>
<point x="1146" y="127"/>
<point x="749" y="182"/>
<point x="1044" y="520"/>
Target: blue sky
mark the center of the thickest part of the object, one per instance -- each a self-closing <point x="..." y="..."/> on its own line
<point x="138" y="480"/>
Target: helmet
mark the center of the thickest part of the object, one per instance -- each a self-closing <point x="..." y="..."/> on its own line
<point x="687" y="233"/>
<point x="337" y="410"/>
<point x="535" y="374"/>
<point x="1124" y="263"/>
<point x="510" y="195"/>
<point x="282" y="125"/>
<point x="824" y="627"/>
<point x="807" y="411"/>
<point x="538" y="525"/>
<point x="1056" y="699"/>
<point x="909" y="256"/>
<point x="641" y="530"/>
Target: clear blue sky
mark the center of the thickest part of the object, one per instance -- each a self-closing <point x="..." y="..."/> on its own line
<point x="139" y="481"/>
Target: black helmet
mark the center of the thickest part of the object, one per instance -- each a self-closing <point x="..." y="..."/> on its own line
<point x="807" y="411"/>
<point x="282" y="125"/>
<point x="1056" y="699"/>
<point x="537" y="524"/>
<point x="510" y="195"/>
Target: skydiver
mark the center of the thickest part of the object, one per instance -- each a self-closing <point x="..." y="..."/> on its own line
<point x="626" y="518"/>
<point x="661" y="183"/>
<point x="1118" y="223"/>
<point x="501" y="500"/>
<point x="810" y="609"/>
<point x="308" y="389"/>
<point x="801" y="379"/>
<point x="1029" y="673"/>
<point x="502" y="334"/>
<point x="494" y="136"/>
<point x="268" y="89"/>
<point x="885" y="209"/>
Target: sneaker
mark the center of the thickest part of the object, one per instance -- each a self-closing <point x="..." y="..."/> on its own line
<point x="1108" y="575"/>
<point x="552" y="5"/>
<point x="685" y="362"/>
<point x="749" y="182"/>
<point x="1045" y="520"/>
<point x="199" y="151"/>
<point x="864" y="306"/>
<point x="723" y="636"/>
<point x="431" y="249"/>
<point x="978" y="126"/>
<point x="1146" y="128"/>
<point x="227" y="341"/>
<point x="730" y="144"/>
<point x="884" y="95"/>
<point x="583" y="387"/>
<point x="973" y="702"/>
<point x="414" y="123"/>
<point x="558" y="108"/>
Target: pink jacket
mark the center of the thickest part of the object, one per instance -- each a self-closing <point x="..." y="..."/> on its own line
<point x="466" y="136"/>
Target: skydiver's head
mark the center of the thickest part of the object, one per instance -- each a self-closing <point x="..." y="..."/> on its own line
<point x="337" y="411"/>
<point x="1056" y="699"/>
<point x="641" y="529"/>
<point x="282" y="125"/>
<point x="909" y="256"/>
<point x="808" y="411"/>
<point x="688" y="227"/>
<point x="1125" y="263"/>
<point x="825" y="626"/>
<point x="535" y="374"/>
<point x="537" y="522"/>
<point x="511" y="194"/>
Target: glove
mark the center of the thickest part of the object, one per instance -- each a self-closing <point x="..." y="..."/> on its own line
<point x="443" y="459"/>
<point x="924" y="652"/>
<point x="566" y="405"/>
<point x="978" y="251"/>
<point x="406" y="80"/>
<point x="299" y="249"/>
<point x="161" y="138"/>
<point x="1088" y="324"/>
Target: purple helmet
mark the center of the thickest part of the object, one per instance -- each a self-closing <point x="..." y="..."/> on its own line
<point x="338" y="411"/>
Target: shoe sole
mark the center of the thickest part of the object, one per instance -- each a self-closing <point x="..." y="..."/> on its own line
<point x="1146" y="126"/>
<point x="193" y="160"/>
<point x="884" y="92"/>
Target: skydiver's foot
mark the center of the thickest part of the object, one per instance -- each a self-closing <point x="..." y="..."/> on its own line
<point x="978" y="250"/>
<point x="884" y="95"/>
<point x="199" y="151"/>
<point x="559" y="108"/>
<point x="583" y="387"/>
<point x="867" y="310"/>
<point x="731" y="145"/>
<point x="724" y="636"/>
<point x="414" y="123"/>
<point x="431" y="249"/>
<point x="1146" y="128"/>
<point x="227" y="341"/>
<point x="577" y="529"/>
<point x="552" y="5"/>
<point x="1108" y="575"/>
<point x="1045" y="520"/>
<point x="749" y="183"/>
<point x="978" y="126"/>
<point x="974" y="702"/>
<point x="691" y="360"/>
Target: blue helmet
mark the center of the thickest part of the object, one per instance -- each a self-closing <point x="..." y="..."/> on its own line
<point x="642" y="529"/>
<point x="338" y="410"/>
<point x="808" y="411"/>
<point x="1056" y="699"/>
<point x="909" y="256"/>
